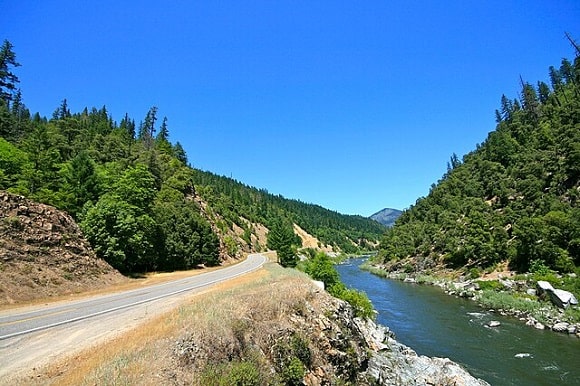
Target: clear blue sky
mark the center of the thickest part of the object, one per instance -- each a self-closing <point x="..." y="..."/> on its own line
<point x="353" y="105"/>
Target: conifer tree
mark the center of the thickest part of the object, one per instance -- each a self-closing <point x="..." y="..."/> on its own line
<point x="8" y="80"/>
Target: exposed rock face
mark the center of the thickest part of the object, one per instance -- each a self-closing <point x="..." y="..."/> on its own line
<point x="392" y="363"/>
<point x="43" y="253"/>
<point x="387" y="216"/>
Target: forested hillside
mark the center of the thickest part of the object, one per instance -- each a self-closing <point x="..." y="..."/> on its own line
<point x="515" y="198"/>
<point x="136" y="198"/>
<point x="234" y="200"/>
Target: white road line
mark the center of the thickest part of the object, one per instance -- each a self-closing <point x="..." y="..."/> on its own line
<point x="2" y="337"/>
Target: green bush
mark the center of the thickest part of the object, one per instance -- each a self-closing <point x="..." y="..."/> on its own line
<point x="489" y="285"/>
<point x="474" y="273"/>
<point x="242" y="374"/>
<point x="293" y="373"/>
<point x="321" y="268"/>
<point x="358" y="300"/>
<point x="301" y="349"/>
<point x="236" y="373"/>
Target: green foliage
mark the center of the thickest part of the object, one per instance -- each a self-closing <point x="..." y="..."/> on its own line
<point x="503" y="300"/>
<point x="474" y="273"/>
<point x="243" y="373"/>
<point x="234" y="373"/>
<point x="121" y="233"/>
<point x="489" y="285"/>
<point x="515" y="198"/>
<point x="538" y="267"/>
<point x="293" y="373"/>
<point x="322" y="268"/>
<point x="280" y="239"/>
<point x="301" y="350"/>
<point x="233" y="200"/>
<point x="12" y="164"/>
<point x="358" y="300"/>
<point x="187" y="239"/>
<point x="8" y="79"/>
<point x="13" y="222"/>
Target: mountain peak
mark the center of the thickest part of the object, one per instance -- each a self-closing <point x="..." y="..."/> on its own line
<point x="387" y="216"/>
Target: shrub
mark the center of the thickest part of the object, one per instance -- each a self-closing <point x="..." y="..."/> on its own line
<point x="242" y="374"/>
<point x="14" y="222"/>
<point x="301" y="349"/>
<point x="358" y="300"/>
<point x="293" y="373"/>
<point x="489" y="285"/>
<point x="474" y="273"/>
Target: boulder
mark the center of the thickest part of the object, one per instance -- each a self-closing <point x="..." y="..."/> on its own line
<point x="543" y="287"/>
<point x="318" y="284"/>
<point x="560" y="298"/>
<point x="494" y="323"/>
<point x="563" y="299"/>
<point x="560" y="327"/>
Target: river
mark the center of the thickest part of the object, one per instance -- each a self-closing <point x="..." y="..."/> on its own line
<point x="435" y="324"/>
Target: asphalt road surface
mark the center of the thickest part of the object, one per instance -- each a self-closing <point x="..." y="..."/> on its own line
<point x="31" y="337"/>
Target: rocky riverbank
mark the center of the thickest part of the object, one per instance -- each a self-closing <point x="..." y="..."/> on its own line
<point x="506" y="296"/>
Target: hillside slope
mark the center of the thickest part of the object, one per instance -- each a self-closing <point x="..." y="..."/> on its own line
<point x="515" y="198"/>
<point x="43" y="253"/>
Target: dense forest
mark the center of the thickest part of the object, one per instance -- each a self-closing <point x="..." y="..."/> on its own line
<point x="135" y="195"/>
<point x="514" y="198"/>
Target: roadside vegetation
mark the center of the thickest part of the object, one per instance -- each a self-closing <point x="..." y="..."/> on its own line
<point x="321" y="267"/>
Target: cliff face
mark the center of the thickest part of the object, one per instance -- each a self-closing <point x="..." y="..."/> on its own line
<point x="43" y="253"/>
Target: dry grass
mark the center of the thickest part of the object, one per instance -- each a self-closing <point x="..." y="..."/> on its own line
<point x="211" y="321"/>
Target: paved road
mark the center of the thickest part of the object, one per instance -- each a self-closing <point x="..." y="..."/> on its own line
<point x="16" y="324"/>
<point x="39" y="336"/>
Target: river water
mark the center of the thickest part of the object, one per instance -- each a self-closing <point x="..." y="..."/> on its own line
<point x="435" y="324"/>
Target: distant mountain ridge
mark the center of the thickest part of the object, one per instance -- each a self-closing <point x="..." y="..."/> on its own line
<point x="387" y="216"/>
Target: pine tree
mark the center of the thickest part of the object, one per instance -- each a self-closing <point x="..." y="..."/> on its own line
<point x="7" y="79"/>
<point x="147" y="128"/>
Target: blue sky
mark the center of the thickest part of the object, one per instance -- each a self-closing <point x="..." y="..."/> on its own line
<point x="352" y="105"/>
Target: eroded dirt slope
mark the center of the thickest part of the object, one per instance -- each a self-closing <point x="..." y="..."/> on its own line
<point x="43" y="254"/>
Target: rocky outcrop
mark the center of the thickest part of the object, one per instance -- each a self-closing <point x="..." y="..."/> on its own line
<point x="392" y="363"/>
<point x="43" y="253"/>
